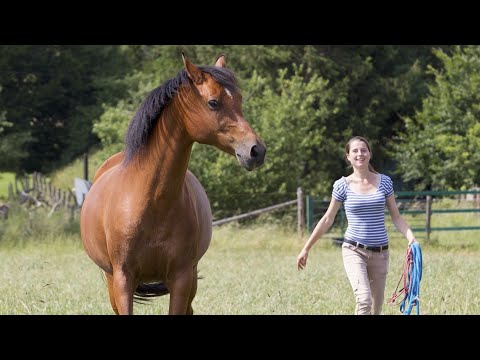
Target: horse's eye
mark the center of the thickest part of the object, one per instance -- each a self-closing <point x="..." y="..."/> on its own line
<point x="213" y="104"/>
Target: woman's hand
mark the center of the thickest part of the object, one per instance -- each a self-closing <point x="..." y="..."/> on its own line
<point x="302" y="259"/>
<point x="411" y="241"/>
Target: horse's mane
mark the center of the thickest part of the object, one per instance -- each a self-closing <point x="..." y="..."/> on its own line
<point x="151" y="108"/>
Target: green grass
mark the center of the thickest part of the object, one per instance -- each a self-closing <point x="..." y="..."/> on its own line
<point x="5" y="179"/>
<point x="245" y="271"/>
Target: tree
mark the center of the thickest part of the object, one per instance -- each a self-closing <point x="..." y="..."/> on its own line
<point x="50" y="94"/>
<point x="11" y="152"/>
<point x="439" y="147"/>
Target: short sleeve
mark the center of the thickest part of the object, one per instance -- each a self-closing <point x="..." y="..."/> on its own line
<point x="387" y="185"/>
<point x="339" y="190"/>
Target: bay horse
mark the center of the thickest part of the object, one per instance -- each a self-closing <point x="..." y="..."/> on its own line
<point x="146" y="221"/>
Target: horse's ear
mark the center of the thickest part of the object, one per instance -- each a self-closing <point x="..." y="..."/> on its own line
<point x="221" y="61"/>
<point x="193" y="72"/>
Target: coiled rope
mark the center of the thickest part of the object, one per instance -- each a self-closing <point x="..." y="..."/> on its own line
<point x="411" y="275"/>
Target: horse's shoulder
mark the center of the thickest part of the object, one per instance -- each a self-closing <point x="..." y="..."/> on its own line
<point x="108" y="164"/>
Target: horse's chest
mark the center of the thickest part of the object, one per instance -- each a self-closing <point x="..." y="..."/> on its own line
<point x="157" y="239"/>
<point x="167" y="235"/>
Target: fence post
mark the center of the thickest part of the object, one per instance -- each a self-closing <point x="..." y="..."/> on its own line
<point x="85" y="166"/>
<point x="11" y="196"/>
<point x="428" y="213"/>
<point x="300" y="213"/>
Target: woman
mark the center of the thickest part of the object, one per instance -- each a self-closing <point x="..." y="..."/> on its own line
<point x="365" y="252"/>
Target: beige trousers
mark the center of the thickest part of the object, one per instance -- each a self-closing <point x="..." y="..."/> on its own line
<point x="367" y="272"/>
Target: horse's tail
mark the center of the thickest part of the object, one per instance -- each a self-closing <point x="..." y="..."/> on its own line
<point x="144" y="292"/>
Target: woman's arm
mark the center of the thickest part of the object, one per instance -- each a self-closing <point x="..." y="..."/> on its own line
<point x="398" y="221"/>
<point x="321" y="228"/>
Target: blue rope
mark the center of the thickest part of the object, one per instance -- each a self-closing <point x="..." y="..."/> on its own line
<point x="414" y="277"/>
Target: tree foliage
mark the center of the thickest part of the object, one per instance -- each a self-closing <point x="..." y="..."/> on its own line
<point x="50" y="94"/>
<point x="305" y="101"/>
<point x="11" y="153"/>
<point x="439" y="147"/>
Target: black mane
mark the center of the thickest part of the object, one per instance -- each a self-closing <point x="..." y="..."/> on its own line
<point x="151" y="108"/>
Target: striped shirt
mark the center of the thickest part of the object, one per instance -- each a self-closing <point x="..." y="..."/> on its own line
<point x="365" y="212"/>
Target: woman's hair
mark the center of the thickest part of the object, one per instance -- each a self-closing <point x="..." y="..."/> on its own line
<point x="359" y="138"/>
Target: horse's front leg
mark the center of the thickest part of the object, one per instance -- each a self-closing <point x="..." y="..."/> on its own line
<point x="110" y="292"/>
<point x="123" y="289"/>
<point x="181" y="292"/>
<point x="193" y="291"/>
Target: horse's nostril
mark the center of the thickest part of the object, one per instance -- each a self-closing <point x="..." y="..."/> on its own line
<point x="254" y="151"/>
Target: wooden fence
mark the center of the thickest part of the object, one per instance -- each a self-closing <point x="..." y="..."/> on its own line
<point x="300" y="213"/>
<point x="37" y="191"/>
<point x="428" y="198"/>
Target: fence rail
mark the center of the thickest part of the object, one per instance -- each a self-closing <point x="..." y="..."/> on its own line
<point x="253" y="213"/>
<point x="315" y="209"/>
<point x="300" y="213"/>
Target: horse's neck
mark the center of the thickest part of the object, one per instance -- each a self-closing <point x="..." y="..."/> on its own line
<point x="163" y="165"/>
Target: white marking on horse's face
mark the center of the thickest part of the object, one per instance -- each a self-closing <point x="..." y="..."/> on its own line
<point x="229" y="93"/>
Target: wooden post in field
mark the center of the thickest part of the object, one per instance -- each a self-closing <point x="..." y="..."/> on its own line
<point x="428" y="213"/>
<point x="11" y="196"/>
<point x="85" y="166"/>
<point x="476" y="199"/>
<point x="300" y="213"/>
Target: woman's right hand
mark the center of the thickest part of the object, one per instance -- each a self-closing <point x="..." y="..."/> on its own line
<point x="302" y="259"/>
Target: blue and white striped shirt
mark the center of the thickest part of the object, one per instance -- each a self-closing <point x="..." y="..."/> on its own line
<point x="365" y="212"/>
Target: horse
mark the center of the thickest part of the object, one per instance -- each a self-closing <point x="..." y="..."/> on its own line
<point x="147" y="221"/>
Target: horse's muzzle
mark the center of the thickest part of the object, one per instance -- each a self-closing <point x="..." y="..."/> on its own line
<point x="253" y="158"/>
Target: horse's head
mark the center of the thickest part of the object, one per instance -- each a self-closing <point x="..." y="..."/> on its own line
<point x="218" y="119"/>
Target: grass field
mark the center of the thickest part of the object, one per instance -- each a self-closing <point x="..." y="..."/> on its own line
<point x="245" y="271"/>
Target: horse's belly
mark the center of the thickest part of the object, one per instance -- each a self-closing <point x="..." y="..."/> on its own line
<point x="163" y="259"/>
<point x="92" y="231"/>
<point x="202" y="212"/>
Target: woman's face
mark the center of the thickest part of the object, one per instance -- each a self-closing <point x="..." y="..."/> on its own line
<point x="359" y="156"/>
